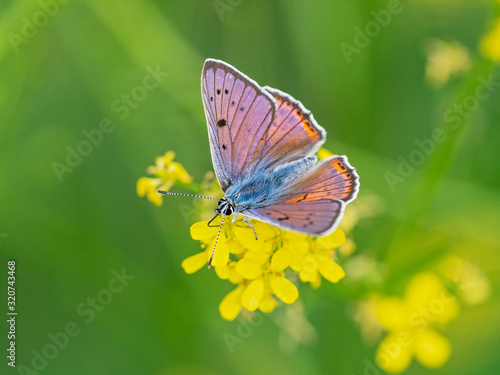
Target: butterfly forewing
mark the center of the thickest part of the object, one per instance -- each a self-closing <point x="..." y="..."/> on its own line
<point x="293" y="134"/>
<point x="238" y="114"/>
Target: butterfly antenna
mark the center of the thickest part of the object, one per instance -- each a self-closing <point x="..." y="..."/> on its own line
<point x="216" y="240"/>
<point x="185" y="195"/>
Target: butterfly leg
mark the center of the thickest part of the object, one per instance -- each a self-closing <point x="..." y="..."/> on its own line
<point x="212" y="219"/>
<point x="245" y="219"/>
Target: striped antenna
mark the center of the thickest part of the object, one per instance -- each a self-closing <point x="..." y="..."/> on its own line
<point x="216" y="240"/>
<point x="185" y="195"/>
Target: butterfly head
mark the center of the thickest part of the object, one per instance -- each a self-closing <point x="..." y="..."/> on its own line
<point x="224" y="207"/>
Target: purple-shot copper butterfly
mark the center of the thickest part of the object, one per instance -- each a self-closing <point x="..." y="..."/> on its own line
<point x="263" y="143"/>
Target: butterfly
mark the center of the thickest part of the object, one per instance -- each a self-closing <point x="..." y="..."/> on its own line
<point x="262" y="143"/>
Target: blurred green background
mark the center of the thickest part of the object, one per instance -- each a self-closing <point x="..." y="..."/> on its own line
<point x="68" y="234"/>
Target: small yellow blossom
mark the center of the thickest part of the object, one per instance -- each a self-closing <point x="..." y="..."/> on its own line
<point x="490" y="44"/>
<point x="445" y="60"/>
<point x="411" y="322"/>
<point x="469" y="280"/>
<point x="167" y="173"/>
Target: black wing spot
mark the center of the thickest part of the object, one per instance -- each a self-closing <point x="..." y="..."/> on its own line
<point x="221" y="123"/>
<point x="218" y="91"/>
<point x="226" y="91"/>
<point x="242" y="108"/>
<point x="298" y="112"/>
<point x="232" y="103"/>
<point x="211" y="98"/>
<point x="348" y="175"/>
<point x="224" y="147"/>
<point x="283" y="218"/>
<point x="311" y="223"/>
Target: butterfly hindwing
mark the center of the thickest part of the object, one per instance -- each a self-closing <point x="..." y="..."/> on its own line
<point x="332" y="178"/>
<point x="314" y="202"/>
<point x="238" y="113"/>
<point x="315" y="217"/>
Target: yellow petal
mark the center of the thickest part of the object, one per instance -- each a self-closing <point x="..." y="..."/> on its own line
<point x="244" y="234"/>
<point x="308" y="276"/>
<point x="234" y="277"/>
<point x="201" y="231"/>
<point x="301" y="246"/>
<point x="431" y="349"/>
<point x="296" y="261"/>
<point x="248" y="269"/>
<point x="333" y="240"/>
<point x="194" y="262"/>
<point x="490" y="44"/>
<point x="294" y="237"/>
<point x="309" y="269"/>
<point x="235" y="247"/>
<point x="284" y="289"/>
<point x="316" y="283"/>
<point x="181" y="173"/>
<point x="257" y="256"/>
<point x="281" y="259"/>
<point x="422" y="288"/>
<point x="143" y="186"/>
<point x="394" y="354"/>
<point x="155" y="198"/>
<point x="393" y="313"/>
<point x="265" y="232"/>
<point x="222" y="272"/>
<point x="323" y="153"/>
<point x="168" y="157"/>
<point x="331" y="271"/>
<point x="348" y="248"/>
<point x="267" y="304"/>
<point x="253" y="294"/>
<point x="230" y="306"/>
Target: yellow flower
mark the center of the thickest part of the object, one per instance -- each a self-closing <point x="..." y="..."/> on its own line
<point x="445" y="60"/>
<point x="167" y="173"/>
<point x="149" y="186"/>
<point x="411" y="322"/>
<point x="490" y="44"/>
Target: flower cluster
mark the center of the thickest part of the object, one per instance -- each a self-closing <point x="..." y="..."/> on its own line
<point x="414" y="321"/>
<point x="265" y="269"/>
<point x="166" y="173"/>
